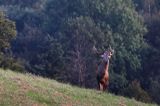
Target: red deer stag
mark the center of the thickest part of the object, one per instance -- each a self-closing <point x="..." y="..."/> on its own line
<point x="102" y="68"/>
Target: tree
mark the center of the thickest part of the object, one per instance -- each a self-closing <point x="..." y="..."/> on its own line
<point x="149" y="75"/>
<point x="118" y="24"/>
<point x="77" y="46"/>
<point x="7" y="32"/>
<point x="55" y="38"/>
<point x="151" y="62"/>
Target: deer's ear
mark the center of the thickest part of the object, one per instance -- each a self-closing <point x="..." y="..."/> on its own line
<point x="112" y="51"/>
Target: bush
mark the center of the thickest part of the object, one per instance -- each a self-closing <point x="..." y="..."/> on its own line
<point x="7" y="62"/>
<point x="135" y="90"/>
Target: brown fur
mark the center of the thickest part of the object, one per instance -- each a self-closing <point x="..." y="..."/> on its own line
<point x="103" y="73"/>
<point x="103" y="78"/>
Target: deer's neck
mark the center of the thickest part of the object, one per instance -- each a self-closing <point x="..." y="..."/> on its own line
<point x="106" y="62"/>
<point x="106" y="66"/>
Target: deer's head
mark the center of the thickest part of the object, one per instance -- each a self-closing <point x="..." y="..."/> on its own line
<point x="106" y="55"/>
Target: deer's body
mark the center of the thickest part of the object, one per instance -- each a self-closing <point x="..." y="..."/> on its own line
<point x="103" y="72"/>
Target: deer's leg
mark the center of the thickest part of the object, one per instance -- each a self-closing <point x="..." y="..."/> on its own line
<point x="106" y="85"/>
<point x="98" y="86"/>
<point x="101" y="86"/>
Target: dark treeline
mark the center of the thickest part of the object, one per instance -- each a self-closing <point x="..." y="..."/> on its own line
<point x="55" y="39"/>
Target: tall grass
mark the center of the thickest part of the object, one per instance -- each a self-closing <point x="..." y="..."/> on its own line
<point x="27" y="90"/>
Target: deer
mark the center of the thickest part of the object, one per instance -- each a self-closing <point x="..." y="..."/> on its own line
<point x="102" y="70"/>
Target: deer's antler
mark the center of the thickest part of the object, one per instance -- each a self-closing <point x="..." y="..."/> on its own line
<point x="94" y="49"/>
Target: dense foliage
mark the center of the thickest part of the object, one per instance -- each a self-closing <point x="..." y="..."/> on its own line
<point x="7" y="34"/>
<point x="55" y="39"/>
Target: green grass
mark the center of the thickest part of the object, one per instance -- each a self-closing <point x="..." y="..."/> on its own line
<point x="27" y="90"/>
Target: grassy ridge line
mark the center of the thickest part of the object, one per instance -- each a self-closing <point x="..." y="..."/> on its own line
<point x="27" y="90"/>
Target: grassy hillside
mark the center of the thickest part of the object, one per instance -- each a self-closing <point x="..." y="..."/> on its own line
<point x="27" y="90"/>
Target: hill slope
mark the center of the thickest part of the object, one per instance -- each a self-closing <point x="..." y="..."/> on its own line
<point x="27" y="90"/>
